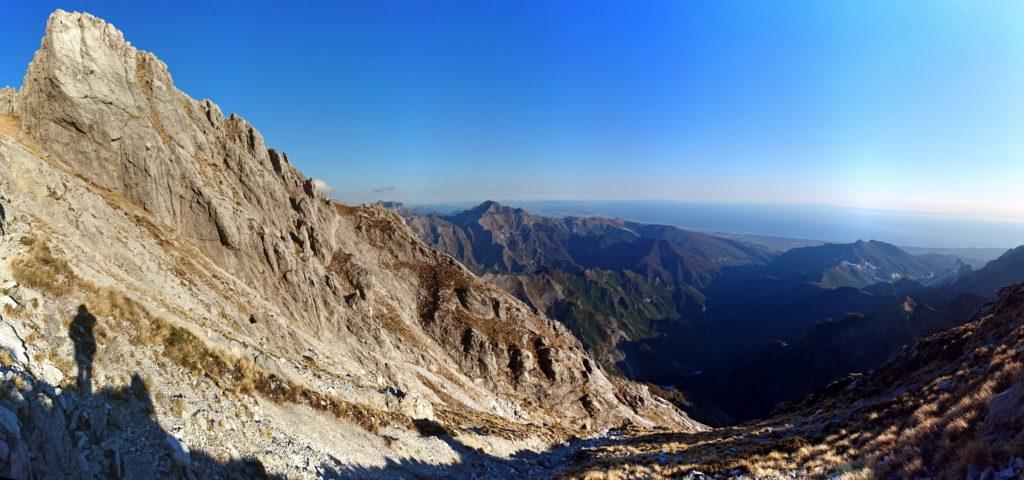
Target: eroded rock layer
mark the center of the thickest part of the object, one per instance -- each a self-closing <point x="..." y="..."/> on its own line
<point x="228" y="270"/>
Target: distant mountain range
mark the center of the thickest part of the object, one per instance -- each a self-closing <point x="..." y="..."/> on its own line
<point x="159" y="262"/>
<point x="861" y="263"/>
<point x="738" y="323"/>
<point x="976" y="257"/>
<point x="491" y="238"/>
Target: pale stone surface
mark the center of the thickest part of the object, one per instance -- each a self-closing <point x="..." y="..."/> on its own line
<point x="113" y="113"/>
<point x="170" y="202"/>
<point x="12" y="341"/>
<point x="7" y="98"/>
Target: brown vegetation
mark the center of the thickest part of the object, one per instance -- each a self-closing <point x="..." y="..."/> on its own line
<point x="945" y="407"/>
<point x="41" y="270"/>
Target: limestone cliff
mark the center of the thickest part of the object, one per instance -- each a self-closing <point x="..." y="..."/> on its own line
<point x="218" y="243"/>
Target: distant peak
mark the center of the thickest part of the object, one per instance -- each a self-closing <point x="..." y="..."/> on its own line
<point x="489" y="206"/>
<point x="874" y="243"/>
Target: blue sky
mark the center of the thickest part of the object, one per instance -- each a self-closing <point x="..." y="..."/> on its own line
<point x="907" y="105"/>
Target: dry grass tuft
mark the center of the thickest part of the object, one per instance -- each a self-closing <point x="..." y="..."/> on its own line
<point x="18" y="382"/>
<point x="41" y="270"/>
<point x="48" y="273"/>
<point x="244" y="377"/>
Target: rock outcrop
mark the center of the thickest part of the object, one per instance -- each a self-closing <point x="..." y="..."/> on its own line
<point x="7" y="98"/>
<point x="157" y="200"/>
<point x="948" y="406"/>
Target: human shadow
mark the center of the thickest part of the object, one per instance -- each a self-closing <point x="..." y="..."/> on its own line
<point x="81" y="333"/>
<point x="108" y="432"/>
<point x="112" y="431"/>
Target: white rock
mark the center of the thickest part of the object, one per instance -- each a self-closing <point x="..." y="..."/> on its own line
<point x="178" y="451"/>
<point x="9" y="287"/>
<point x="8" y="301"/>
<point x="48" y="372"/>
<point x="10" y="340"/>
<point x="417" y="407"/>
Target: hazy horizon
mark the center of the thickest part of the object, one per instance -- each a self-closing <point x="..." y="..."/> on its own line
<point x="805" y="222"/>
<point x="878" y="105"/>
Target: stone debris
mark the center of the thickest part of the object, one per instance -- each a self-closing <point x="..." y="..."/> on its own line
<point x="164" y="202"/>
<point x="12" y="341"/>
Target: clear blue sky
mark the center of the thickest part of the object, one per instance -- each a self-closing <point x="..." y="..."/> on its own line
<point x="905" y="105"/>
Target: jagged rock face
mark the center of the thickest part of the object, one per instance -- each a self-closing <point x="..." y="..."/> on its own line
<point x="491" y="238"/>
<point x="113" y="114"/>
<point x="353" y="285"/>
<point x="7" y="97"/>
<point x="950" y="406"/>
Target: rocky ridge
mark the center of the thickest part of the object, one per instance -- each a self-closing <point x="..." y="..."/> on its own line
<point x="950" y="406"/>
<point x="205" y="258"/>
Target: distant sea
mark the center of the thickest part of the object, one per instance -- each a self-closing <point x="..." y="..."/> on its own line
<point x="836" y="224"/>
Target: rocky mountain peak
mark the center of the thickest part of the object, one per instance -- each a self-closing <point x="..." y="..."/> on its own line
<point x="494" y="214"/>
<point x="152" y="197"/>
<point x="490" y="207"/>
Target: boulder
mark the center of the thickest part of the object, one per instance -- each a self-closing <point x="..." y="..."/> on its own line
<point x="9" y="424"/>
<point x="10" y="340"/>
<point x="8" y="301"/>
<point x="9" y="287"/>
<point x="18" y="462"/>
<point x="177" y="451"/>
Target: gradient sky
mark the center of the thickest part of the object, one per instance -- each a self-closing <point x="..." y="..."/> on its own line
<point x="901" y="105"/>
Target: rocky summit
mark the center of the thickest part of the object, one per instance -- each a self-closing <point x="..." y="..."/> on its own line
<point x="180" y="301"/>
<point x="177" y="300"/>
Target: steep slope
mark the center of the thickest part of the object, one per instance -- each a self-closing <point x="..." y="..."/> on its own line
<point x="1007" y="269"/>
<point x="629" y="291"/>
<point x="948" y="407"/>
<point x="621" y="317"/>
<point x="756" y="382"/>
<point x="684" y="309"/>
<point x="492" y="238"/>
<point x="207" y="263"/>
<point x="857" y="264"/>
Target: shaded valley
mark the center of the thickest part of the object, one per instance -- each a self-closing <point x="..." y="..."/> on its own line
<point x="727" y="328"/>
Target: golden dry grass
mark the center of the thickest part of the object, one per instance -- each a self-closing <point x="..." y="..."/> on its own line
<point x="41" y="270"/>
<point x="10" y="125"/>
<point x="244" y="377"/>
<point x="932" y="413"/>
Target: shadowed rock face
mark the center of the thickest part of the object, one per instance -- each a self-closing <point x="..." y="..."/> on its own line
<point x="948" y="406"/>
<point x="726" y="322"/>
<point x="209" y="225"/>
<point x="492" y="238"/>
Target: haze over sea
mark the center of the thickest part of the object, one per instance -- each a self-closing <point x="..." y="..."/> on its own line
<point x="837" y="224"/>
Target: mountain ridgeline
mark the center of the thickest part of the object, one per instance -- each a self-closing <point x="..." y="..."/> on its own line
<point x="738" y="327"/>
<point x="177" y="300"/>
<point x="946" y="407"/>
<point x="158" y="260"/>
